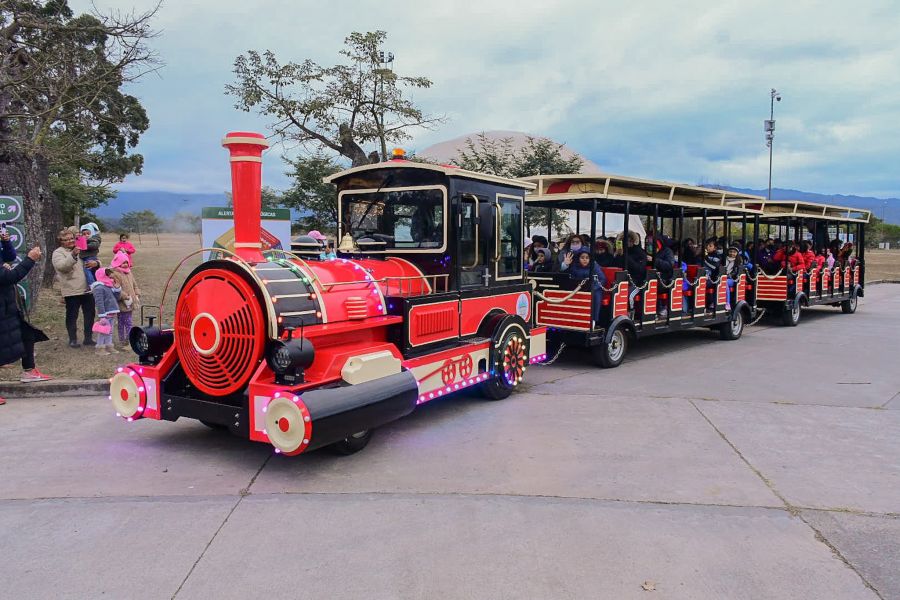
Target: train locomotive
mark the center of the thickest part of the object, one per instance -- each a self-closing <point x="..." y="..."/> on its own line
<point x="426" y="297"/>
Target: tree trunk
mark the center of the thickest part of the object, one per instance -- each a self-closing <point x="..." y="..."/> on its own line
<point x="29" y="177"/>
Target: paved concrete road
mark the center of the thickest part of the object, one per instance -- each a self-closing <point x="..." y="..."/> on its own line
<point x="763" y="468"/>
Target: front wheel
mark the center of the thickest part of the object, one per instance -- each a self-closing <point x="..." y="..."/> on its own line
<point x="790" y="317"/>
<point x="352" y="443"/>
<point x="611" y="354"/>
<point x="848" y="307"/>
<point x="733" y="329"/>
<point x="508" y="365"/>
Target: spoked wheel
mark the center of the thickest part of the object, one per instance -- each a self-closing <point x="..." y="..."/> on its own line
<point x="610" y="355"/>
<point x="352" y="443"/>
<point x="790" y="317"/>
<point x="733" y="329"/>
<point x="508" y="366"/>
<point x="848" y="307"/>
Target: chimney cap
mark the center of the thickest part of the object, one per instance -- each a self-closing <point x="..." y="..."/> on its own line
<point x="245" y="137"/>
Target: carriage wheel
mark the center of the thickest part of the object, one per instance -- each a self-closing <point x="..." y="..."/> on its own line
<point x="610" y="355"/>
<point x="791" y="316"/>
<point x="848" y="307"/>
<point x="733" y="329"/>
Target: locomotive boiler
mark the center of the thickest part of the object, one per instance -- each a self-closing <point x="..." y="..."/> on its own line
<point x="426" y="297"/>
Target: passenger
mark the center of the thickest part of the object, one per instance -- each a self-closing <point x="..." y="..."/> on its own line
<point x="664" y="263"/>
<point x="791" y="258"/>
<point x="531" y="254"/>
<point x="634" y="260"/>
<point x="603" y="254"/>
<point x="713" y="260"/>
<point x="809" y="257"/>
<point x="569" y="251"/>
<point x="764" y="254"/>
<point x="846" y="254"/>
<point x="829" y="259"/>
<point x="689" y="254"/>
<point x="583" y="268"/>
<point x="543" y="262"/>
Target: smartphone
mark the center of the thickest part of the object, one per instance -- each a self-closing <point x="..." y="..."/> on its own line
<point x="81" y="242"/>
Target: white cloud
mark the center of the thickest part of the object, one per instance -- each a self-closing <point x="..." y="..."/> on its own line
<point x="656" y="89"/>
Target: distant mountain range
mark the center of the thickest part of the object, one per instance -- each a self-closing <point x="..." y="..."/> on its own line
<point x="890" y="206"/>
<point x="164" y="204"/>
<point x="167" y="204"/>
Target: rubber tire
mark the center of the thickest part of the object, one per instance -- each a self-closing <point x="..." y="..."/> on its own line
<point x="601" y="353"/>
<point x="352" y="444"/>
<point x="787" y="316"/>
<point x="496" y="388"/>
<point x="848" y="307"/>
<point x="215" y="426"/>
<point x="726" y="330"/>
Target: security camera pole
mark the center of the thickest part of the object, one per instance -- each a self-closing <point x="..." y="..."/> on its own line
<point x="770" y="133"/>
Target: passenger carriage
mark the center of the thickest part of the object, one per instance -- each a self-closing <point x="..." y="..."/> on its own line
<point x="785" y="292"/>
<point x="691" y="299"/>
<point x="427" y="297"/>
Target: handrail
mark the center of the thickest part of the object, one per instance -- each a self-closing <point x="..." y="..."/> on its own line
<point x="477" y="228"/>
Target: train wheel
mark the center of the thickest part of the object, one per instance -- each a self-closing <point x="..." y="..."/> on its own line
<point x="508" y="364"/>
<point x="352" y="443"/>
<point x="611" y="355"/>
<point x="214" y="426"/>
<point x="733" y="329"/>
<point x="848" y="307"/>
<point x="790" y="317"/>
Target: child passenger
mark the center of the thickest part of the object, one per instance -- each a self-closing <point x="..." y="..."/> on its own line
<point x="583" y="268"/>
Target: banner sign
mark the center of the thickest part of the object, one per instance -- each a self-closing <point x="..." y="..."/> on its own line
<point x="11" y="209"/>
<point x="218" y="229"/>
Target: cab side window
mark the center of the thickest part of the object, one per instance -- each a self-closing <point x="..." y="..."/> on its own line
<point x="510" y="237"/>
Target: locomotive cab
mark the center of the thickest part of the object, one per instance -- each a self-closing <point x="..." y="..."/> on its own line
<point x="427" y="297"/>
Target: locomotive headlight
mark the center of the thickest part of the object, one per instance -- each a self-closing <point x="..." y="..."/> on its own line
<point x="281" y="359"/>
<point x="289" y="358"/>
<point x="150" y="343"/>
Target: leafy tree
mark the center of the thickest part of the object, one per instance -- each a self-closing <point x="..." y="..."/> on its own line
<point x="340" y="108"/>
<point x="185" y="221"/>
<point x="140" y="221"/>
<point x="64" y="120"/>
<point x="315" y="200"/>
<point x="270" y="198"/>
<point x="878" y="231"/>
<point x="539" y="156"/>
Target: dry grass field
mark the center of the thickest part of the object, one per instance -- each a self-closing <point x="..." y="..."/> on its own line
<point x="153" y="265"/>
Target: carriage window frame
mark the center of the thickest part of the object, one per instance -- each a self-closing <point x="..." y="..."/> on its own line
<point x="519" y="202"/>
<point x="385" y="190"/>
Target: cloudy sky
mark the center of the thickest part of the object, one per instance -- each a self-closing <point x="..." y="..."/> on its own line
<point x="656" y="89"/>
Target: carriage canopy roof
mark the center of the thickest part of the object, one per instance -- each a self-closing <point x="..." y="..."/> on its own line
<point x="577" y="192"/>
<point x="448" y="170"/>
<point x="811" y="210"/>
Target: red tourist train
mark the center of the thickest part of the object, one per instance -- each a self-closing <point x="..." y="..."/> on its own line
<point x="427" y="298"/>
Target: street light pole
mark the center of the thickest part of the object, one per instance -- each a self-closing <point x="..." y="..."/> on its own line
<point x="383" y="61"/>
<point x="769" y="127"/>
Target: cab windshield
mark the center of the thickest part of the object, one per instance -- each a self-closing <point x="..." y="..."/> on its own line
<point x="396" y="219"/>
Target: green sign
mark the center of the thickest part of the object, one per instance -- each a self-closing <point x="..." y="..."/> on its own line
<point x="16" y="235"/>
<point x="272" y="214"/>
<point x="11" y="209"/>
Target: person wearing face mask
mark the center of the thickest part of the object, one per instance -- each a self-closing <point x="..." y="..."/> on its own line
<point x="569" y="251"/>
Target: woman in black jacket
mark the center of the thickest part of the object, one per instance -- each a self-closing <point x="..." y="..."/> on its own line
<point x="17" y="335"/>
